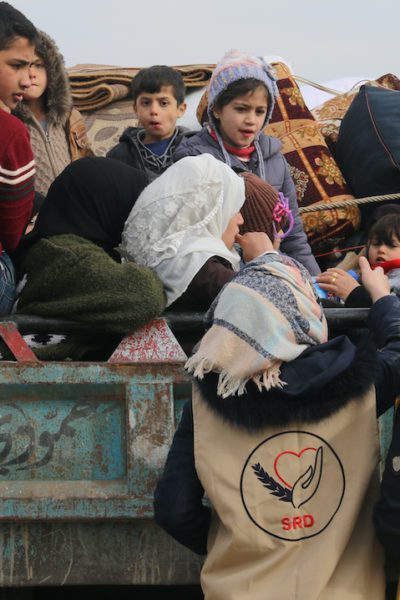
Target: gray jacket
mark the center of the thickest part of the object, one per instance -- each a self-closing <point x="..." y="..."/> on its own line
<point x="276" y="173"/>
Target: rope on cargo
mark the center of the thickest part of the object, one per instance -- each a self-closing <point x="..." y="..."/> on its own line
<point x="318" y="86"/>
<point x="328" y="90"/>
<point x="346" y="203"/>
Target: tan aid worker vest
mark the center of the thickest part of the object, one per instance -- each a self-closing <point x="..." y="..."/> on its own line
<point x="292" y="507"/>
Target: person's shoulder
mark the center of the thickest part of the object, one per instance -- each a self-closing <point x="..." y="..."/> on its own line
<point x="11" y="125"/>
<point x="200" y="142"/>
<point x="130" y="134"/>
<point x="75" y="117"/>
<point x="269" y="144"/>
<point x="185" y="132"/>
<point x="15" y="144"/>
<point x="127" y="139"/>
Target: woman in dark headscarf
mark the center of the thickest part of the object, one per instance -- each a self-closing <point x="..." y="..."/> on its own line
<point x="69" y="261"/>
<point x="91" y="198"/>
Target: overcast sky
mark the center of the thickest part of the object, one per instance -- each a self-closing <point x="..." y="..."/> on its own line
<point x="322" y="40"/>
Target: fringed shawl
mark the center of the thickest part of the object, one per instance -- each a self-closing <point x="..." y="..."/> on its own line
<point x="268" y="314"/>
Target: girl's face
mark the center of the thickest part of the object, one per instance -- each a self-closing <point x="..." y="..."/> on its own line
<point x="243" y="117"/>
<point x="232" y="229"/>
<point x="38" y="77"/>
<point x="381" y="252"/>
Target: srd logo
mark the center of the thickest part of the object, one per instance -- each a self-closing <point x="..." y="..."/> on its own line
<point x="292" y="485"/>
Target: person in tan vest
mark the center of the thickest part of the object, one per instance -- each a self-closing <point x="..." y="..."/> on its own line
<point x="281" y="437"/>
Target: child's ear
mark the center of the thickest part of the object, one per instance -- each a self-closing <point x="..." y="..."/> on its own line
<point x="182" y="109"/>
<point x="216" y="113"/>
<point x="135" y="109"/>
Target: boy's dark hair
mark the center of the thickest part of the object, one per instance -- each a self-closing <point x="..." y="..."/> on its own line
<point x="14" y="24"/>
<point x="238" y="88"/>
<point x="152" y="79"/>
<point x="384" y="230"/>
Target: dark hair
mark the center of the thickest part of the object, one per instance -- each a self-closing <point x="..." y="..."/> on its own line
<point x="240" y="87"/>
<point x="384" y="230"/>
<point x="14" y="24"/>
<point x="152" y="79"/>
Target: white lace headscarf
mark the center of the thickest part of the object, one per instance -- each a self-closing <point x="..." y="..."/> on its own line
<point x="178" y="220"/>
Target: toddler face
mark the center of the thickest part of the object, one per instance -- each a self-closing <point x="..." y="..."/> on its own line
<point x="243" y="117"/>
<point x="157" y="113"/>
<point x="381" y="252"/>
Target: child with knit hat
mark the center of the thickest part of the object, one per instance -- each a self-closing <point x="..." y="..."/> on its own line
<point x="241" y="98"/>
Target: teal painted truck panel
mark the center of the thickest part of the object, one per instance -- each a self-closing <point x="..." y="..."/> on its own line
<point x="86" y="441"/>
<point x="81" y="447"/>
<point x="83" y="441"/>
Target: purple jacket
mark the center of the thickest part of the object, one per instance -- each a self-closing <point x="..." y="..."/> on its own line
<point x="276" y="173"/>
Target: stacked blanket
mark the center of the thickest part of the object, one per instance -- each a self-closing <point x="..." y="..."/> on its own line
<point x="95" y="86"/>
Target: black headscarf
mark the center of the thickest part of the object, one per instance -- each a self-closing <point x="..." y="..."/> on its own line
<point x="91" y="198"/>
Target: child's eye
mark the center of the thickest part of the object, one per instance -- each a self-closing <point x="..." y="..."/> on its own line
<point x="164" y="103"/>
<point x="261" y="112"/>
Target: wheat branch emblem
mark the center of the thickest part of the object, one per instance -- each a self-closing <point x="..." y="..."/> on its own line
<point x="276" y="489"/>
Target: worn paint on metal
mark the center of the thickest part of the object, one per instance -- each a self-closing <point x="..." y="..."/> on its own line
<point x="88" y="440"/>
<point x="102" y="553"/>
<point x="16" y="343"/>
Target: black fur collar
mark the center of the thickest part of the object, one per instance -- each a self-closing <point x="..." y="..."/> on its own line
<point x="254" y="409"/>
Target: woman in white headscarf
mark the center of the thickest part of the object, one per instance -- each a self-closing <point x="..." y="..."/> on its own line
<point x="184" y="225"/>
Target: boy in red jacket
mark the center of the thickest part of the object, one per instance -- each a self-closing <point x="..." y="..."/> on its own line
<point x="17" y="50"/>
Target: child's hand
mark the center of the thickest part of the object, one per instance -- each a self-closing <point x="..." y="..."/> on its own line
<point x="374" y="280"/>
<point x="338" y="282"/>
<point x="253" y="244"/>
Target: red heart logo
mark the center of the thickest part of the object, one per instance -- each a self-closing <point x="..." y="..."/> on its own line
<point x="283" y="461"/>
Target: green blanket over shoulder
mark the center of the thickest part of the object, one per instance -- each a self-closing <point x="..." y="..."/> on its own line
<point x="69" y="277"/>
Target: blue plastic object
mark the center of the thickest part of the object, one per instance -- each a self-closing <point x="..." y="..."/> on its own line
<point x="319" y="291"/>
<point x="354" y="274"/>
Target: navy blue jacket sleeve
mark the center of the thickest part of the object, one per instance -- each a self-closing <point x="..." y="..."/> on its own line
<point x="387" y="510"/>
<point x="178" y="499"/>
<point x="358" y="298"/>
<point x="384" y="323"/>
